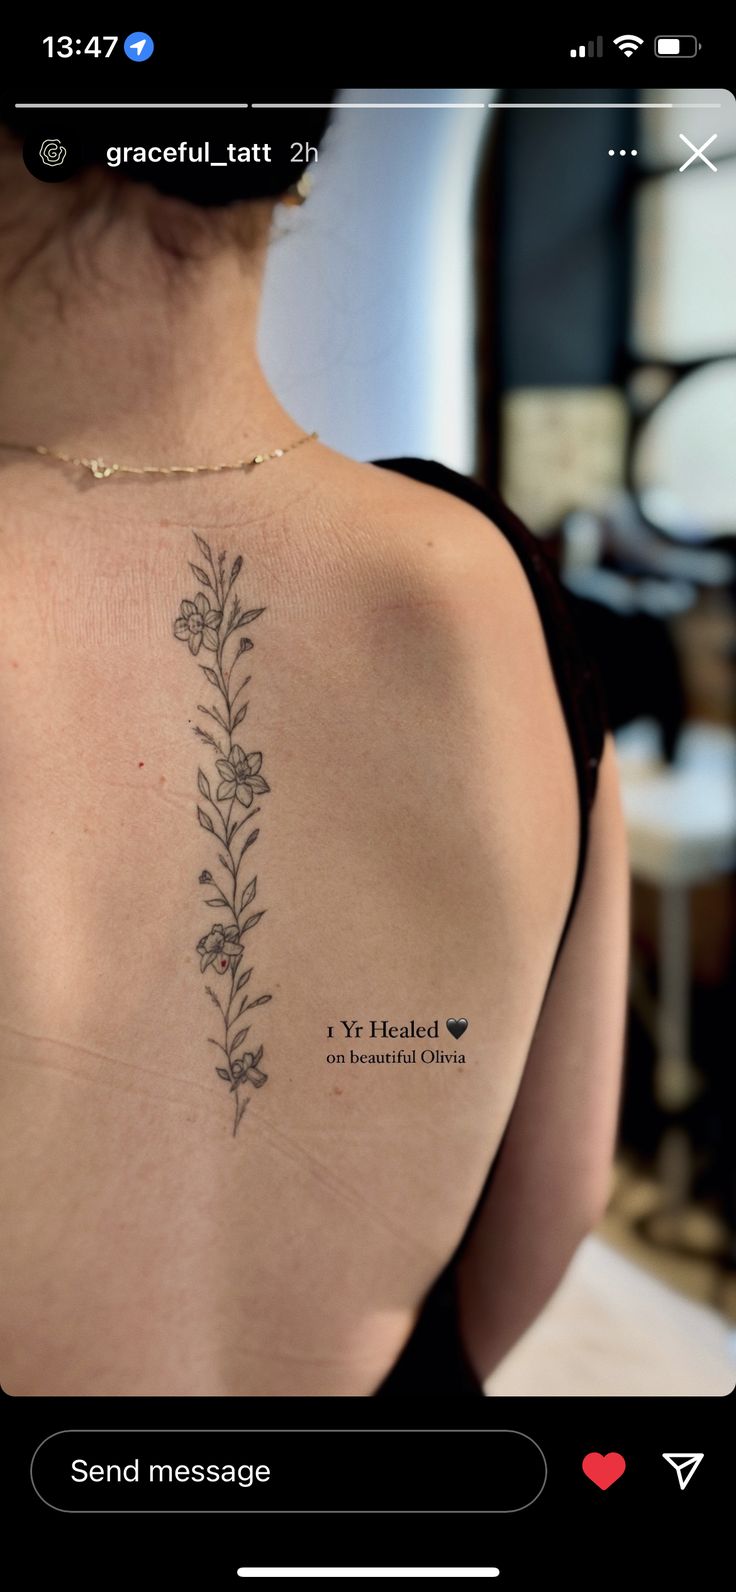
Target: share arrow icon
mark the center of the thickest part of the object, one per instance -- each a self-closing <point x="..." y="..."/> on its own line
<point x="685" y="1465"/>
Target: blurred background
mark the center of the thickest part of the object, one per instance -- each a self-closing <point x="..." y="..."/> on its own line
<point x="542" y="297"/>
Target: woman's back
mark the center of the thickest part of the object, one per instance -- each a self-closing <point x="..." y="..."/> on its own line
<point x="416" y="854"/>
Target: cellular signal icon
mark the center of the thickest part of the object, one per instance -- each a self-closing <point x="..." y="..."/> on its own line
<point x="594" y="47"/>
<point x="628" y="43"/>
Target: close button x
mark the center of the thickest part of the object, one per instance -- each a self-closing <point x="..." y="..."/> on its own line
<point x="698" y="153"/>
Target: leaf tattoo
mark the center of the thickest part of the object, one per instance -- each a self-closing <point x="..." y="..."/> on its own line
<point x="228" y="791"/>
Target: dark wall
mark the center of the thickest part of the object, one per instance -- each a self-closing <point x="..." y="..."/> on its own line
<point x="563" y="246"/>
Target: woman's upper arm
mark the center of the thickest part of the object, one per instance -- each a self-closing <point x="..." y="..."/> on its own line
<point x="564" y="1119"/>
<point x="551" y="1181"/>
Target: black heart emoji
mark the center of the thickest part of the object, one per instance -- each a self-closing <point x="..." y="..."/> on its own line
<point x="457" y="1026"/>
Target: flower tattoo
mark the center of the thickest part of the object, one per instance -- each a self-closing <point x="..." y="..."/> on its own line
<point x="211" y="621"/>
<point x="198" y="623"/>
<point x="240" y="777"/>
<point x="221" y="946"/>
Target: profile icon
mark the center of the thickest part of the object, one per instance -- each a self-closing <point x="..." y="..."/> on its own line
<point x="51" y="159"/>
<point x="52" y="152"/>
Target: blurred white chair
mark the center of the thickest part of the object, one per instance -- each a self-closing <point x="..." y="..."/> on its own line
<point x="613" y="1330"/>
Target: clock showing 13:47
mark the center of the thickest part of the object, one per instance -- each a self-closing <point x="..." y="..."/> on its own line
<point x="137" y="46"/>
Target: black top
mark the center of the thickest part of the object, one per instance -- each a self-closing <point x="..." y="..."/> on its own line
<point x="433" y="1360"/>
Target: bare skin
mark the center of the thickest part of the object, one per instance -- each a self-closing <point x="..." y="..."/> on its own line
<point x="416" y="856"/>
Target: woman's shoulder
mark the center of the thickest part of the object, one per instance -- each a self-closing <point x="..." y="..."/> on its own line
<point x="415" y="515"/>
<point x="411" y="537"/>
<point x="442" y="477"/>
<point x="418" y="484"/>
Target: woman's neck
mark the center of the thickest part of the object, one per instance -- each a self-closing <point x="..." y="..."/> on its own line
<point x="130" y="331"/>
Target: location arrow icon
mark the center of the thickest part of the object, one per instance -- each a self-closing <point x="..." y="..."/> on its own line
<point x="685" y="1466"/>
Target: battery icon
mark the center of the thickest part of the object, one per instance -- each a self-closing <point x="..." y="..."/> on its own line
<point x="678" y="44"/>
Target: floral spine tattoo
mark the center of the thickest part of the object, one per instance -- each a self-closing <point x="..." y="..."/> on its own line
<point x="213" y="621"/>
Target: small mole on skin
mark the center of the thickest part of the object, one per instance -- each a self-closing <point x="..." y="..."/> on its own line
<point x="162" y="779"/>
<point x="337" y="1089"/>
<point x="140" y="765"/>
<point x="430" y="544"/>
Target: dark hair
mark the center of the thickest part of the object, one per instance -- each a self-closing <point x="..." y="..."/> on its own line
<point x="290" y="135"/>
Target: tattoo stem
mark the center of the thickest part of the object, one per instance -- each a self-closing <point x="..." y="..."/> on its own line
<point x="197" y="625"/>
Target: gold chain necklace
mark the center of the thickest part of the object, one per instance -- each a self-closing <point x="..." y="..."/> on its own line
<point x="100" y="468"/>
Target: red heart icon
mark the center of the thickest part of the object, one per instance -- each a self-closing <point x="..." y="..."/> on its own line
<point x="604" y="1469"/>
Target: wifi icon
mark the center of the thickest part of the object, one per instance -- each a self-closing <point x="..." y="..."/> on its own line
<point x="628" y="43"/>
